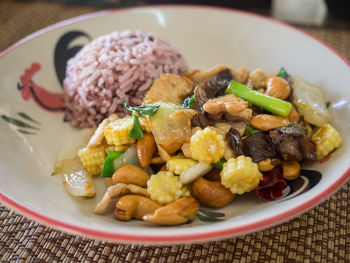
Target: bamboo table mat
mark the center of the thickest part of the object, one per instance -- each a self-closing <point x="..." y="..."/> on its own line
<point x="320" y="235"/>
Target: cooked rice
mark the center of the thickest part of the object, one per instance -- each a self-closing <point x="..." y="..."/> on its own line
<point x="115" y="67"/>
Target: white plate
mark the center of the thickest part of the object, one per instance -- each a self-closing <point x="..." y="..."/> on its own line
<point x="206" y="36"/>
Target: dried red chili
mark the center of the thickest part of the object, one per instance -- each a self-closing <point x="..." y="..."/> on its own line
<point x="272" y="185"/>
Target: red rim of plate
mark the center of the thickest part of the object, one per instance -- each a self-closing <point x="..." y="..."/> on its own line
<point x="181" y="238"/>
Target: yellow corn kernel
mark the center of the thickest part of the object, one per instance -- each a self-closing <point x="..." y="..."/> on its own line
<point x="118" y="148"/>
<point x="327" y="139"/>
<point x="164" y="187"/>
<point x="240" y="175"/>
<point x="207" y="146"/>
<point x="145" y="124"/>
<point x="178" y="164"/>
<point x="186" y="190"/>
<point x="92" y="159"/>
<point x="117" y="131"/>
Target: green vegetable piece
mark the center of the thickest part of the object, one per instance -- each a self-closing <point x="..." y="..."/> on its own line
<point x="273" y="105"/>
<point x="283" y="73"/>
<point x="144" y="110"/>
<point x="136" y="131"/>
<point x="328" y="103"/>
<point x="251" y="130"/>
<point x="108" y="168"/>
<point x="211" y="213"/>
<point x="188" y="101"/>
<point x="219" y="164"/>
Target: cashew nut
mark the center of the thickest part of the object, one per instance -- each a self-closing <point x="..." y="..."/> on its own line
<point x="146" y="147"/>
<point x="291" y="170"/>
<point x="175" y="213"/>
<point x="293" y="115"/>
<point x="244" y="115"/>
<point x="131" y="174"/>
<point x="211" y="194"/>
<point x="265" y="165"/>
<point x="112" y="193"/>
<point x="157" y="160"/>
<point x="233" y="107"/>
<point x="276" y="162"/>
<point x="134" y="206"/>
<point x="267" y="122"/>
<point x="241" y="75"/>
<point x="227" y="103"/>
<point x="256" y="79"/>
<point x="198" y="76"/>
<point x="277" y="87"/>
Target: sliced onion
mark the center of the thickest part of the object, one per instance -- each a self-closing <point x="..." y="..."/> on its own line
<point x="310" y="102"/>
<point x="195" y="171"/>
<point x="118" y="162"/>
<point x="76" y="179"/>
<point x="130" y="156"/>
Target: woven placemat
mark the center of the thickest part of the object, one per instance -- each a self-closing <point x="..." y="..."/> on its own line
<point x="321" y="235"/>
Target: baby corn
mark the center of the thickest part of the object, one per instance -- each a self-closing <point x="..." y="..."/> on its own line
<point x="92" y="158"/>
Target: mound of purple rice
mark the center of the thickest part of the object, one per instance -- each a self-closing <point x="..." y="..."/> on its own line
<point x="115" y="67"/>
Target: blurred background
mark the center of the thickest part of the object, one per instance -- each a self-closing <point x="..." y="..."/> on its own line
<point x="297" y="11"/>
<point x="19" y="18"/>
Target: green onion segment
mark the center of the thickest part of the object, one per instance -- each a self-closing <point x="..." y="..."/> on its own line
<point x="188" y="101"/>
<point x="273" y="105"/>
<point x="250" y="130"/>
<point x="283" y="73"/>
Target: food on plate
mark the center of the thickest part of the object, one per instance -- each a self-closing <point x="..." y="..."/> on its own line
<point x="112" y="68"/>
<point x="204" y="138"/>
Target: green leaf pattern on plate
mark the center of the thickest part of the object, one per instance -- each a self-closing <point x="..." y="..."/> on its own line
<point x="27" y="117"/>
<point x="23" y="126"/>
<point x="209" y="216"/>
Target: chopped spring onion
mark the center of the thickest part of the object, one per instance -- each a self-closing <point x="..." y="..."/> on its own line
<point x="273" y="105"/>
<point x="108" y="167"/>
<point x="283" y="73"/>
<point x="219" y="164"/>
<point x="251" y="130"/>
<point x="188" y="101"/>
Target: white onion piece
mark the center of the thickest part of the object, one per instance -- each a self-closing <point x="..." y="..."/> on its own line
<point x="194" y="172"/>
<point x="310" y="102"/>
<point x="130" y="157"/>
<point x="76" y="179"/>
<point x="118" y="162"/>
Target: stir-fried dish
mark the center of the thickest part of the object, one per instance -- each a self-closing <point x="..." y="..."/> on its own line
<point x="203" y="139"/>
